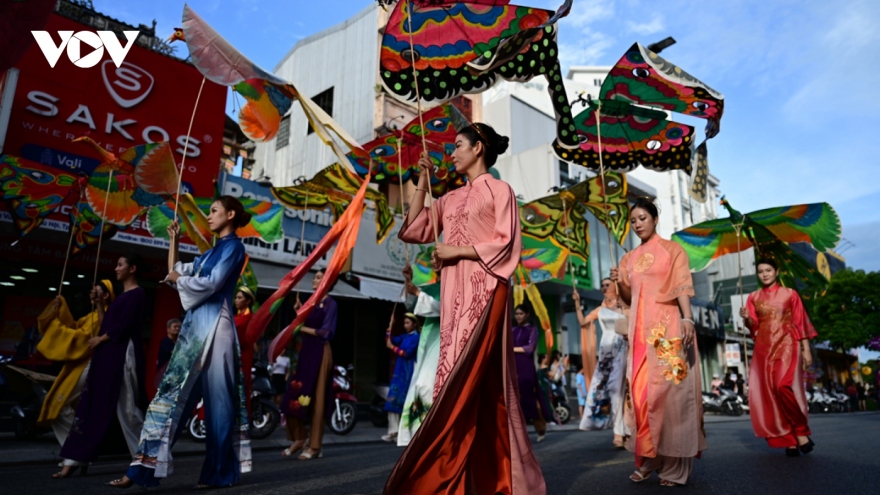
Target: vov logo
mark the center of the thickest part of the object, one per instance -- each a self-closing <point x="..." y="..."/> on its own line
<point x="73" y="42"/>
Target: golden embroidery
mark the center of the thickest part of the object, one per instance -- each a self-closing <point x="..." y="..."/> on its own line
<point x="667" y="352"/>
<point x="643" y="263"/>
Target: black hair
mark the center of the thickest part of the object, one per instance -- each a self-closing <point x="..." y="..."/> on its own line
<point x="494" y="144"/>
<point x="767" y="261"/>
<point x="323" y="271"/>
<point x="134" y="260"/>
<point x="524" y="308"/>
<point x="647" y="205"/>
<point x="604" y="279"/>
<point x="241" y="217"/>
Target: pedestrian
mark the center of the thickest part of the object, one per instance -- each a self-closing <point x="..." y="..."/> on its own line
<point x="581" y="384"/>
<point x="664" y="364"/>
<point x="474" y="439"/>
<point x="67" y="340"/>
<point x="420" y="395"/>
<point x="862" y="393"/>
<point x="405" y="347"/>
<point x="166" y="348"/>
<point x="525" y="340"/>
<point x="588" y="328"/>
<point x="206" y="362"/>
<point x="280" y="376"/>
<point x="776" y="318"/>
<point x="729" y="383"/>
<point x="243" y="302"/>
<point x="716" y="382"/>
<point x="853" y="394"/>
<point x="115" y="382"/>
<point x="309" y="393"/>
<point x="741" y="385"/>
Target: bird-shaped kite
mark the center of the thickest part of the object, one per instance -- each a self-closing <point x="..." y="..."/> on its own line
<point x="769" y="231"/>
<point x="381" y="157"/>
<point x="633" y="106"/>
<point x="436" y="50"/>
<point x="335" y="186"/>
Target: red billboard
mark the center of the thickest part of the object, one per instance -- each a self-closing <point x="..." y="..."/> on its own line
<point x="148" y="98"/>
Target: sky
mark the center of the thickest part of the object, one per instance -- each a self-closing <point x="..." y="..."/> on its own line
<point x="799" y="79"/>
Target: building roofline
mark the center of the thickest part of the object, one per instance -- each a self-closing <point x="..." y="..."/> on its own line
<point x="585" y="68"/>
<point x="372" y="7"/>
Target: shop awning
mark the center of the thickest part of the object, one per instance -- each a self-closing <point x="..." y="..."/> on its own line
<point x="381" y="289"/>
<point x="269" y="276"/>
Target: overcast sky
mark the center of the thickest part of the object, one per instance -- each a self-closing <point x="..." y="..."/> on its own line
<point x="800" y="79"/>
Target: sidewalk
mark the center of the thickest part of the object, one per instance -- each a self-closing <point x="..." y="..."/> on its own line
<point x="44" y="449"/>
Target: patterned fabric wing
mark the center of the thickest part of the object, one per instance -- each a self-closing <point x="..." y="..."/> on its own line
<point x="155" y="170"/>
<point x="700" y="184"/>
<point x="644" y="78"/>
<point x="88" y="227"/>
<point x="566" y="225"/>
<point x="815" y="223"/>
<point x="613" y="210"/>
<point x="543" y="263"/>
<point x="464" y="47"/>
<point x="794" y="271"/>
<point x="265" y="221"/>
<point x="631" y="136"/>
<point x="267" y="103"/>
<point x="32" y="190"/>
<point x="118" y="206"/>
<point x="708" y="240"/>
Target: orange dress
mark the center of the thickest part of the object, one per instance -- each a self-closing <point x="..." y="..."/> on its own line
<point x="664" y="404"/>
<point x="776" y="391"/>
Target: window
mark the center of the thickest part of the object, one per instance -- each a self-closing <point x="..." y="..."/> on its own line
<point x="324" y="100"/>
<point x="283" y="137"/>
<point x="597" y="82"/>
<point x="465" y="106"/>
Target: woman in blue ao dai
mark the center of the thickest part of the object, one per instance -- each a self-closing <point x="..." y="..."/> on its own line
<point x="205" y="362"/>
<point x="405" y="347"/>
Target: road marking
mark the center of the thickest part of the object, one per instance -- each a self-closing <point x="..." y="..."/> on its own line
<point x="610" y="463"/>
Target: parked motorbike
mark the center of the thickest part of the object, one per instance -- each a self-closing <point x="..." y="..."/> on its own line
<point x="560" y="403"/>
<point x="195" y="425"/>
<point x="344" y="415"/>
<point x="724" y="402"/>
<point x="21" y="397"/>
<point x="378" y="416"/>
<point x="265" y="414"/>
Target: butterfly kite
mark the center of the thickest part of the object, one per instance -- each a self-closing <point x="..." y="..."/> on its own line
<point x="561" y="216"/>
<point x="769" y="231"/>
<point x="633" y="103"/>
<point x="465" y="47"/>
<point x="335" y="186"/>
<point x="381" y="158"/>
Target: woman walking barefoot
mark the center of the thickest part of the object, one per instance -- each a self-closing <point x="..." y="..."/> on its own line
<point x="782" y="332"/>
<point x="664" y="406"/>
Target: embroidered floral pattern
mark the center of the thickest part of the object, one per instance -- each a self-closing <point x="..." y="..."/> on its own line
<point x="668" y="354"/>
<point x="643" y="263"/>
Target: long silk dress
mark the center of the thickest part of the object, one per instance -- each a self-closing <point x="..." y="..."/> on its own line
<point x="404" y="366"/>
<point x="605" y="394"/>
<point x="474" y="438"/>
<point x="776" y="392"/>
<point x="420" y="395"/>
<point x="538" y="412"/>
<point x="114" y="384"/>
<point x="588" y="337"/>
<point x="664" y="407"/>
<point x="205" y="363"/>
<point x="65" y="339"/>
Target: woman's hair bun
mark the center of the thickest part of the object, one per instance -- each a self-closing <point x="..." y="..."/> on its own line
<point x="500" y="144"/>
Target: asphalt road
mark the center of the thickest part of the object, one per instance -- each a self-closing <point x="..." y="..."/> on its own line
<point x="846" y="461"/>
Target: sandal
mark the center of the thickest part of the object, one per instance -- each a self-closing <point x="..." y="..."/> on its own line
<point x="807" y="447"/>
<point x="123" y="482"/>
<point x="638" y="476"/>
<point x="60" y="475"/>
<point x="309" y="455"/>
<point x="668" y="483"/>
<point x="291" y="452"/>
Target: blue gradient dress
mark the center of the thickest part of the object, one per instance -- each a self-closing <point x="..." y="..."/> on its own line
<point x="205" y="362"/>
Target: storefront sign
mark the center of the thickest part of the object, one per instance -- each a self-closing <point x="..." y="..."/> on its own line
<point x="384" y="260"/>
<point x="298" y="242"/>
<point x="732" y="354"/>
<point x="147" y="98"/>
<point x="708" y="318"/>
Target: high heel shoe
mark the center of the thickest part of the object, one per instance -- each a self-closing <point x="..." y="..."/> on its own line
<point x="120" y="483"/>
<point x="307" y="456"/>
<point x="792" y="452"/>
<point x="807" y="447"/>
<point x="84" y="471"/>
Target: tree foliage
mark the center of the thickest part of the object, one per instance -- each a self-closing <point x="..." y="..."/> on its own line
<point x="848" y="314"/>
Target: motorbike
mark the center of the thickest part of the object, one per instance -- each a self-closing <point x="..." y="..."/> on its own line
<point x="22" y="393"/>
<point x="724" y="402"/>
<point x="559" y="400"/>
<point x="265" y="415"/>
<point x="378" y="416"/>
<point x="344" y="415"/>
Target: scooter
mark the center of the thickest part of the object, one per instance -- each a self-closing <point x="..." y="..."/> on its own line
<point x="265" y="414"/>
<point x="344" y="416"/>
<point x="560" y="403"/>
<point x="724" y="402"/>
<point x="22" y="393"/>
<point x="378" y="416"/>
